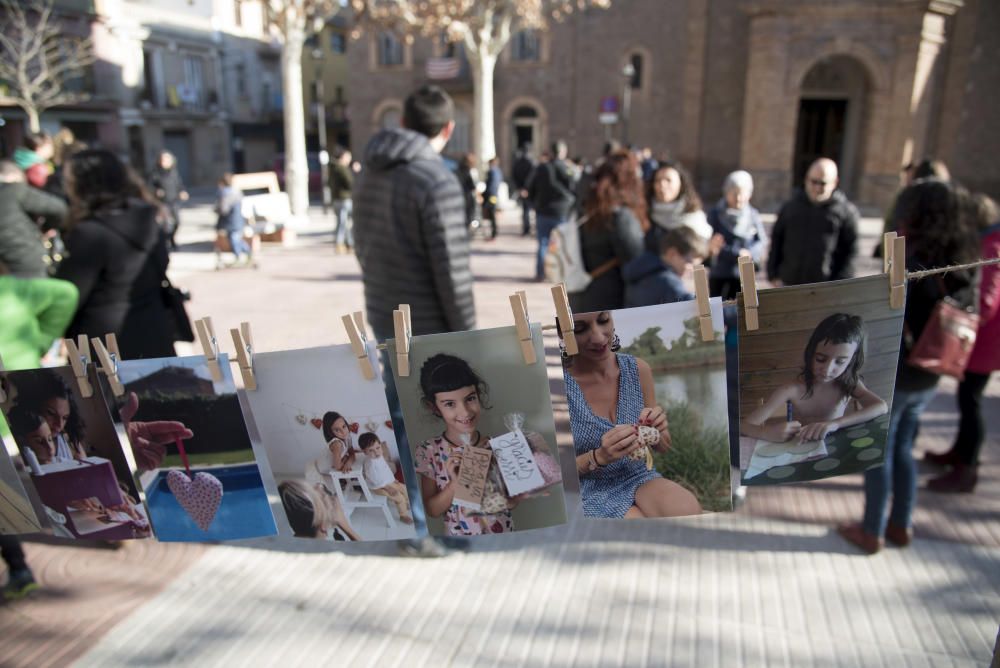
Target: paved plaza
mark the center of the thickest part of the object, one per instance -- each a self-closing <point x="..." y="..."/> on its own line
<point x="771" y="584"/>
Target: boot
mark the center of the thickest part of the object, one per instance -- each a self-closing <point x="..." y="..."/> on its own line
<point x="899" y="536"/>
<point x="947" y="458"/>
<point x="855" y="533"/>
<point x="960" y="479"/>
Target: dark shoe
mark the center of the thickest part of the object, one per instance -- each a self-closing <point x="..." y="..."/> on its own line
<point x="960" y="480"/>
<point x="947" y="458"/>
<point x="855" y="533"/>
<point x="19" y="584"/>
<point x="899" y="536"/>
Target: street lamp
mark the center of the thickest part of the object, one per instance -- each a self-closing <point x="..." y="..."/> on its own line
<point x="628" y="71"/>
<point x="324" y="155"/>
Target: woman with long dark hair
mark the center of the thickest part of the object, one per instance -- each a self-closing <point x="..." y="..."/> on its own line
<point x="934" y="217"/>
<point x="116" y="256"/>
<point x="615" y="221"/>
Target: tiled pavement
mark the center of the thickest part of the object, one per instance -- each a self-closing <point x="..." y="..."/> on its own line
<point x="768" y="585"/>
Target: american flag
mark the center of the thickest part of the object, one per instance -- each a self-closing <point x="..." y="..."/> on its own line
<point x="443" y="68"/>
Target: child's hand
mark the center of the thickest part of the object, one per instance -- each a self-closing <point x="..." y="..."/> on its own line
<point x="618" y="442"/>
<point x="783" y="431"/>
<point x="817" y="431"/>
<point x="655" y="417"/>
<point x="452" y="466"/>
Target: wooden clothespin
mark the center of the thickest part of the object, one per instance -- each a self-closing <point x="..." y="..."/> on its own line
<point x="243" y="341"/>
<point x="748" y="286"/>
<point x="108" y="356"/>
<point x="887" y="240"/>
<point x="210" y="346"/>
<point x="79" y="357"/>
<point x="403" y="329"/>
<point x="565" y="318"/>
<point x="519" y="305"/>
<point x="897" y="273"/>
<point x="704" y="308"/>
<point x="355" y="327"/>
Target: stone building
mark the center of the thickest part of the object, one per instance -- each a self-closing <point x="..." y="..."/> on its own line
<point x="765" y="85"/>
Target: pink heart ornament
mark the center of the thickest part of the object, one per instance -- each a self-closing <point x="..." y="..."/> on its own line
<point x="199" y="497"/>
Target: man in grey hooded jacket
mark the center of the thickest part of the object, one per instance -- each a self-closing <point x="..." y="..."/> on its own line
<point x="409" y="215"/>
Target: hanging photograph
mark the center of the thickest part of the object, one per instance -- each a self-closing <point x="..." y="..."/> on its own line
<point x="816" y="380"/>
<point x="480" y="428"/>
<point x="16" y="513"/>
<point x="329" y="440"/>
<point x="192" y="453"/>
<point x="73" y="457"/>
<point x="648" y="411"/>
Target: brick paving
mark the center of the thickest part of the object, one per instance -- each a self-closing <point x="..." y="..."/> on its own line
<point x="768" y="585"/>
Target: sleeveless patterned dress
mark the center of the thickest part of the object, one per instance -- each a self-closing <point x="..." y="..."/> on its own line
<point x="608" y="491"/>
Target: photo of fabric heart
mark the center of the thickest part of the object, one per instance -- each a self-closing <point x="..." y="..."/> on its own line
<point x="194" y="460"/>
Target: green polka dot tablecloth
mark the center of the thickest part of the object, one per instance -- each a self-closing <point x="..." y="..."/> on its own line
<point x="847" y="451"/>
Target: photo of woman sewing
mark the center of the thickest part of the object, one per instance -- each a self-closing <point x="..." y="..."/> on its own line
<point x="649" y="441"/>
<point x="816" y="382"/>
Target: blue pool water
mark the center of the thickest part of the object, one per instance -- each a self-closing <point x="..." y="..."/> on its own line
<point x="243" y="513"/>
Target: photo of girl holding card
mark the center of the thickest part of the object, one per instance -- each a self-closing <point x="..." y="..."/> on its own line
<point x="455" y="394"/>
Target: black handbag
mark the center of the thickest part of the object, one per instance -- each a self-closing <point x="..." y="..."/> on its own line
<point x="173" y="299"/>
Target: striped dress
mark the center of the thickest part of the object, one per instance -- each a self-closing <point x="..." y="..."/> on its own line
<point x="608" y="491"/>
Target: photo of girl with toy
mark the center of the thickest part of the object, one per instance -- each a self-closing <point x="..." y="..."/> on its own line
<point x="614" y="416"/>
<point x="458" y="397"/>
<point x="829" y="393"/>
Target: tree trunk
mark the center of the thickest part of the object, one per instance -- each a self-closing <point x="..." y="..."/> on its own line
<point x="296" y="166"/>
<point x="34" y="123"/>
<point x="483" y="142"/>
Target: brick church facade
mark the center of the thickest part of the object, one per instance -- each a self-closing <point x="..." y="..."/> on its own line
<point x="763" y="85"/>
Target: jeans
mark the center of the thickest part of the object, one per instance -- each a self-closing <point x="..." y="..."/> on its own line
<point x="971" y="426"/>
<point x="898" y="474"/>
<point x="525" y="215"/>
<point x="543" y="227"/>
<point x="345" y="222"/>
<point x="13" y="555"/>
<point x="237" y="243"/>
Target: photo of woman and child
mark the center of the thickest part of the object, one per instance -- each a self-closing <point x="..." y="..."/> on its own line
<point x="452" y="414"/>
<point x="819" y="412"/>
<point x="625" y="388"/>
<point x="338" y="471"/>
<point x="73" y="457"/>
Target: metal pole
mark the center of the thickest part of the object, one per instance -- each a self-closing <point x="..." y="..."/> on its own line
<point x="324" y="155"/>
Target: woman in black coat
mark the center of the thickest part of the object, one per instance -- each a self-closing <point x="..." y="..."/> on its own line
<point x="116" y="256"/>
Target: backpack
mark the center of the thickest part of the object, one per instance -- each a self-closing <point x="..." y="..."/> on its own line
<point x="564" y="260"/>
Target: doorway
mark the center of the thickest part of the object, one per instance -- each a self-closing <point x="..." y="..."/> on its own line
<point x="526" y="130"/>
<point x="820" y="134"/>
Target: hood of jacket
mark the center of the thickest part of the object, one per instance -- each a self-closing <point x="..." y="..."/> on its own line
<point x="25" y="157"/>
<point x="642" y="266"/>
<point x="397" y="146"/>
<point x="135" y="222"/>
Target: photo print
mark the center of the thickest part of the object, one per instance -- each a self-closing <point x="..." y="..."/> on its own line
<point x="329" y="440"/>
<point x="648" y="411"/>
<point x="816" y="381"/>
<point x="192" y="453"/>
<point x="73" y="457"/>
<point x="16" y="513"/>
<point x="480" y="428"/>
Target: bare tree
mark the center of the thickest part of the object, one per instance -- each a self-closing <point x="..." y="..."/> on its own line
<point x="295" y="20"/>
<point x="37" y="60"/>
<point x="484" y="27"/>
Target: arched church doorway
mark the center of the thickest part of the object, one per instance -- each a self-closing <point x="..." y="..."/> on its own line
<point x="833" y="110"/>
